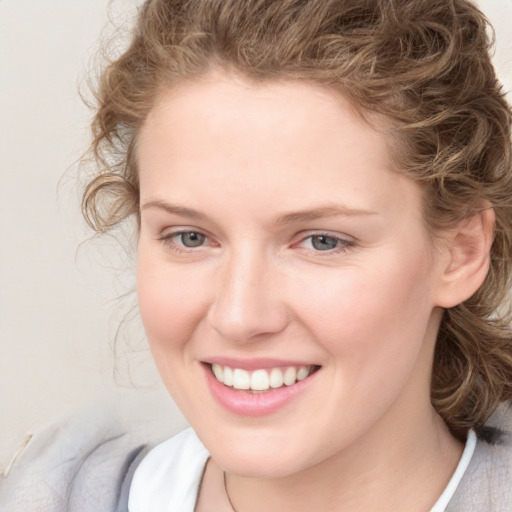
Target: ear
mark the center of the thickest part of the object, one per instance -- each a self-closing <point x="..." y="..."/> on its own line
<point x="467" y="260"/>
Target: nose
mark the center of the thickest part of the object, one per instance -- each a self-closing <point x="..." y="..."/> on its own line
<point x="249" y="299"/>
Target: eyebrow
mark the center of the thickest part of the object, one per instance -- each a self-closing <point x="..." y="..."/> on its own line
<point x="286" y="218"/>
<point x="319" y="213"/>
<point x="174" y="209"/>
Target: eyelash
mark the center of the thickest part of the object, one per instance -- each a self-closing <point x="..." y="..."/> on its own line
<point x="343" y="246"/>
<point x="168" y="241"/>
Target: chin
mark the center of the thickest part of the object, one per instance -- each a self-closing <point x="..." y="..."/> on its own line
<point x="255" y="458"/>
<point x="263" y="467"/>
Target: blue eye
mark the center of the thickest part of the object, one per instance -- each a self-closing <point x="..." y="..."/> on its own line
<point x="187" y="242"/>
<point x="191" y="239"/>
<point x="325" y="242"/>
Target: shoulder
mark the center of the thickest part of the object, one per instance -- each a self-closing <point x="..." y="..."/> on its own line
<point x="82" y="463"/>
<point x="169" y="476"/>
<point x="487" y="483"/>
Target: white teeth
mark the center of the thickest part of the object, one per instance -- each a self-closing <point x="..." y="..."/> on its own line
<point x="228" y="376"/>
<point x="302" y="373"/>
<point x="260" y="380"/>
<point x="241" y="379"/>
<point x="276" y="378"/>
<point x="218" y="371"/>
<point x="290" y="376"/>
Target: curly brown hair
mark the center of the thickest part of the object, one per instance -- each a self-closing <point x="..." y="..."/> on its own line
<point x="424" y="66"/>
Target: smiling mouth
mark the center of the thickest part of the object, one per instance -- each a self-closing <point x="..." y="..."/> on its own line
<point x="261" y="380"/>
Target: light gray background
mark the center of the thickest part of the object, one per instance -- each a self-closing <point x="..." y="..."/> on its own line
<point x="58" y="307"/>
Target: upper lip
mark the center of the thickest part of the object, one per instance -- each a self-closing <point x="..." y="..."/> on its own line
<point x="256" y="363"/>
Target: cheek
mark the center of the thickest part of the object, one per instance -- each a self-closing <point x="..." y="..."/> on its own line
<point x="171" y="308"/>
<point x="374" y="326"/>
<point x="379" y="310"/>
<point x="171" y="303"/>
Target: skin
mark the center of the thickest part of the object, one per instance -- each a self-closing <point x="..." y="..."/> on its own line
<point x="232" y="158"/>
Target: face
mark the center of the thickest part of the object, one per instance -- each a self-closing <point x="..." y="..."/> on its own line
<point x="277" y="244"/>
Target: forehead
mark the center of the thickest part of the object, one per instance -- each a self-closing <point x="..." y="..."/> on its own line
<point x="297" y="139"/>
<point x="221" y="101"/>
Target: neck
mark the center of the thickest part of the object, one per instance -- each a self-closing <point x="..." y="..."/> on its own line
<point x="382" y="471"/>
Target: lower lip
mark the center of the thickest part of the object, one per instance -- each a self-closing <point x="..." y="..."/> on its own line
<point x="254" y="404"/>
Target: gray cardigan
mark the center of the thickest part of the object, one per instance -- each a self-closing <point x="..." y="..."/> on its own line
<point x="86" y="465"/>
<point x="487" y="483"/>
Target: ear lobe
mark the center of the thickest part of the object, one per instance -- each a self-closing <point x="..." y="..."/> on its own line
<point x="468" y="248"/>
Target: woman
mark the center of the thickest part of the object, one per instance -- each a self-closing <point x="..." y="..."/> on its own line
<point x="323" y="196"/>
